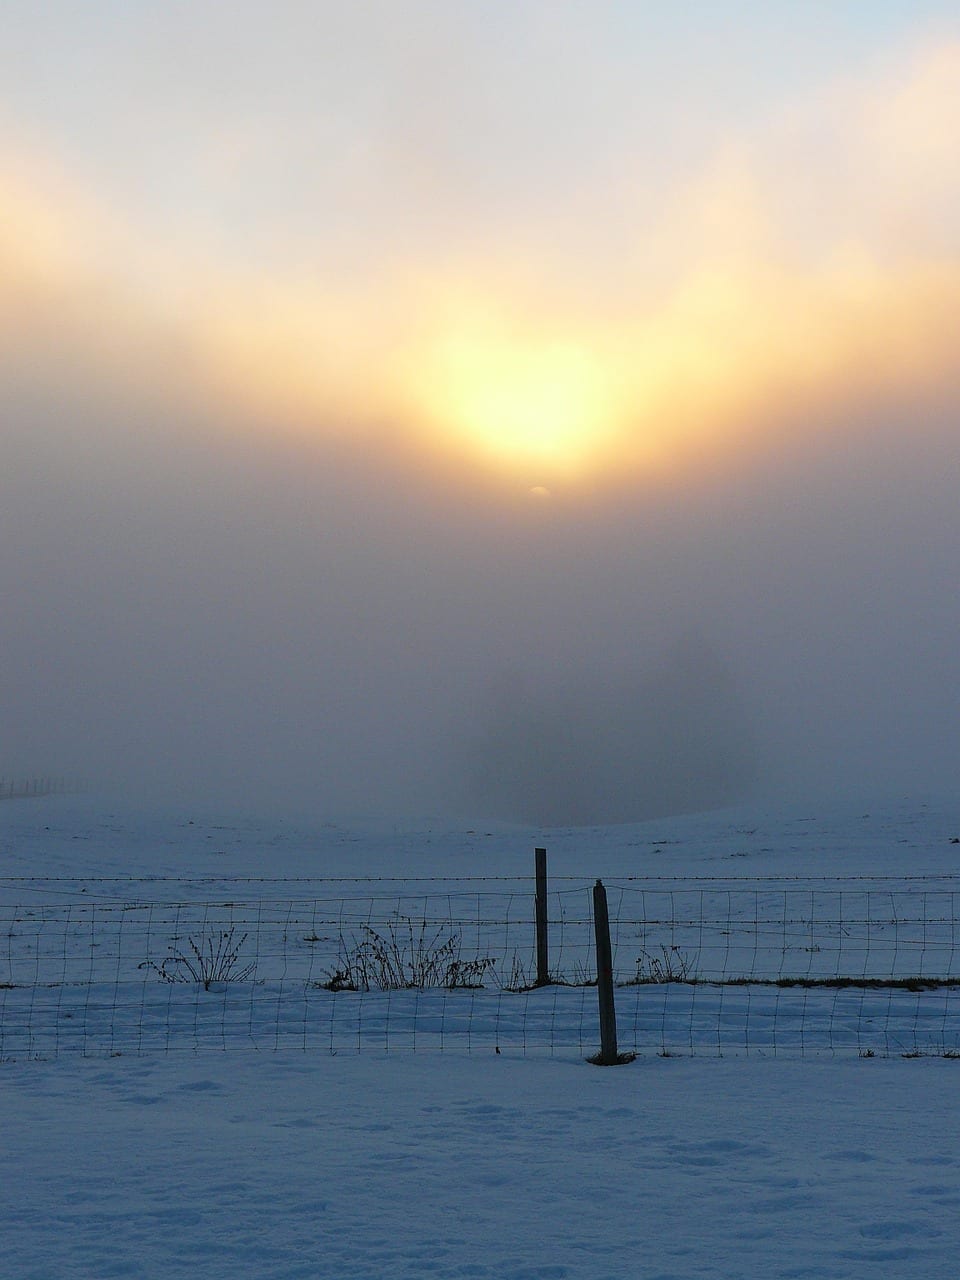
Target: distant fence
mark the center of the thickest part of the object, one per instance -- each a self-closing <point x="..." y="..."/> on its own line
<point x="794" y="967"/>
<point x="22" y="789"/>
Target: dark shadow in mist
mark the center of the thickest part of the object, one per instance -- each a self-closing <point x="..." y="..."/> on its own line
<point x="603" y="748"/>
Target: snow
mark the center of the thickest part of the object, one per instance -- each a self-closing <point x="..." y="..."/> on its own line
<point x="316" y="1164"/>
<point x="289" y="1165"/>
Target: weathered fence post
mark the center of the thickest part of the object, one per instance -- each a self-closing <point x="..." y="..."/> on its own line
<point x="608" y="1055"/>
<point x="543" y="955"/>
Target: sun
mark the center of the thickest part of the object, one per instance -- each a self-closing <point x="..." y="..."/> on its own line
<point x="526" y="404"/>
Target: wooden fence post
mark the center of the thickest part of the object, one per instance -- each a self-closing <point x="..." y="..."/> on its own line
<point x="543" y="957"/>
<point x="608" y="1055"/>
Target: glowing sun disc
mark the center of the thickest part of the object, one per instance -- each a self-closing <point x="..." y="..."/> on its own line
<point x="519" y="402"/>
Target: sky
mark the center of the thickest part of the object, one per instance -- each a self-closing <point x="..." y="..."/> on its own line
<point x="535" y="411"/>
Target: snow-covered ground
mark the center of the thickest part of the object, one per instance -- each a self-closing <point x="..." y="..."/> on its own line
<point x="312" y="1164"/>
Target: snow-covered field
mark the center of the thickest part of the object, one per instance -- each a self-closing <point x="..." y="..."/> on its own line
<point x="400" y="1164"/>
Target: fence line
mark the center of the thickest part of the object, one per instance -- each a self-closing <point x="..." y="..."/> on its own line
<point x="25" y="788"/>
<point x="700" y="966"/>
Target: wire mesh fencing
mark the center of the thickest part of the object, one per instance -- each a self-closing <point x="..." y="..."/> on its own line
<point x="31" y="788"/>
<point x="701" y="967"/>
<point x="867" y="967"/>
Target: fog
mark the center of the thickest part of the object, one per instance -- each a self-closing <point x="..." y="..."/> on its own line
<point x="252" y="621"/>
<point x="507" y="412"/>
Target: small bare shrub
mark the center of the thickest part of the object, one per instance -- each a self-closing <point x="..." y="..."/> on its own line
<point x="671" y="965"/>
<point x="212" y="958"/>
<point x="405" y="956"/>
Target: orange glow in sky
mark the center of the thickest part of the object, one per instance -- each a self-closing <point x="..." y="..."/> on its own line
<point x="806" y="258"/>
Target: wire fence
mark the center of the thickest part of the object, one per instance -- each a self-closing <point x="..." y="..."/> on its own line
<point x="701" y="967"/>
<point x="31" y="788"/>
